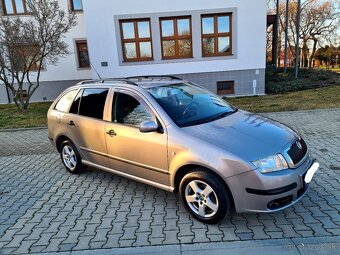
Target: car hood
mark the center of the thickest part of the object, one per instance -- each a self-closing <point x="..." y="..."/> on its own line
<point x="246" y="135"/>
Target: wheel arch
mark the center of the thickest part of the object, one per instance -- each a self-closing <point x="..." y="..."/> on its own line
<point x="60" y="140"/>
<point x="185" y="169"/>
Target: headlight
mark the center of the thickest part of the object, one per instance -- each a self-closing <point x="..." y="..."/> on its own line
<point x="271" y="164"/>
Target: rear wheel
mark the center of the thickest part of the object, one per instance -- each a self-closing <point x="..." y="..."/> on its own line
<point x="205" y="196"/>
<point x="71" y="157"/>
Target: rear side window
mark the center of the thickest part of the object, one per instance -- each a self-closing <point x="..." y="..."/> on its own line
<point x="64" y="103"/>
<point x="93" y="102"/>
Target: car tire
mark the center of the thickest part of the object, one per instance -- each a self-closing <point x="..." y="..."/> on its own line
<point x="71" y="157"/>
<point x="205" y="196"/>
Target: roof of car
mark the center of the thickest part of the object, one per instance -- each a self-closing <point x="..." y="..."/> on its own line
<point x="140" y="81"/>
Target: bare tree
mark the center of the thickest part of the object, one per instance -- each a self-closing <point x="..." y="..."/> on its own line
<point x="29" y="44"/>
<point x="318" y="23"/>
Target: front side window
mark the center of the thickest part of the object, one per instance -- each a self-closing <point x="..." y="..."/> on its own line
<point x="76" y="5"/>
<point x="128" y="110"/>
<point x="176" y="37"/>
<point x="216" y="35"/>
<point x="64" y="103"/>
<point x="136" y="40"/>
<point x="14" y="7"/>
<point x="188" y="105"/>
<point x="92" y="103"/>
<point x="83" y="54"/>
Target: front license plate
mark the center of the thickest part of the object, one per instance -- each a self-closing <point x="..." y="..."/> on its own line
<point x="311" y="171"/>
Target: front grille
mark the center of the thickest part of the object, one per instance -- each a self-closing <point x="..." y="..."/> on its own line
<point x="295" y="153"/>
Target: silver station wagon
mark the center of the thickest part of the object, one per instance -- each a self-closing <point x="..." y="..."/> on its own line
<point x="177" y="136"/>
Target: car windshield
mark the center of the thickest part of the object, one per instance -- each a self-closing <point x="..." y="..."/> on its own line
<point x="189" y="105"/>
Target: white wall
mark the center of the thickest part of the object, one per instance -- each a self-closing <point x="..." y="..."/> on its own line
<point x="249" y="19"/>
<point x="67" y="68"/>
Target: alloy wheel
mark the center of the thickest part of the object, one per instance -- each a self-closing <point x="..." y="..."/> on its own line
<point x="69" y="157"/>
<point x="201" y="199"/>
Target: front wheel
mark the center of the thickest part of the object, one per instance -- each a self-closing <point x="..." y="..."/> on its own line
<point x="205" y="196"/>
<point x="71" y="157"/>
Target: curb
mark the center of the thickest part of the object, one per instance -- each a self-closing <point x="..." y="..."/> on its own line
<point x="292" y="246"/>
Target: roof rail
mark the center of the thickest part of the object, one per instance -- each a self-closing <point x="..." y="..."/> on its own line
<point x="153" y="77"/>
<point x="87" y="81"/>
<point x="126" y="81"/>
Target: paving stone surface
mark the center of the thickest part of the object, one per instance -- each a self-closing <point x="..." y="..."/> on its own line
<point x="45" y="209"/>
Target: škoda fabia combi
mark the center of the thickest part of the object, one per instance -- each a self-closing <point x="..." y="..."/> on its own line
<point x="177" y="136"/>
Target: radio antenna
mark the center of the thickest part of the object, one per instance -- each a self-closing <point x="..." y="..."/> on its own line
<point x="96" y="71"/>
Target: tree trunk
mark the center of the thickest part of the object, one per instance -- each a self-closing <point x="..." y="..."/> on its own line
<point x="19" y="100"/>
<point x="311" y="58"/>
<point x="304" y="52"/>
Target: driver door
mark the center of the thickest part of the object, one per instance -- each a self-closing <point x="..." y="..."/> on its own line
<point x="142" y="155"/>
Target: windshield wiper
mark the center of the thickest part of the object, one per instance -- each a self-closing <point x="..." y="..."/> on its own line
<point x="209" y="119"/>
<point x="224" y="114"/>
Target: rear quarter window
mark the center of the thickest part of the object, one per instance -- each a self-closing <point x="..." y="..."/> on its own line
<point x="65" y="102"/>
<point x="92" y="103"/>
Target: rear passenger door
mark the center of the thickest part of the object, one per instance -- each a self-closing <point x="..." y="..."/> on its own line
<point x="86" y="124"/>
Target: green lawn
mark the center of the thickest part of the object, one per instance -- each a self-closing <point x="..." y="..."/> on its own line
<point x="321" y="98"/>
<point x="10" y="117"/>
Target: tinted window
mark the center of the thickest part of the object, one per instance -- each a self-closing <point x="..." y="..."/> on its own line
<point x="128" y="110"/>
<point x="75" y="105"/>
<point x="92" y="103"/>
<point x="64" y="103"/>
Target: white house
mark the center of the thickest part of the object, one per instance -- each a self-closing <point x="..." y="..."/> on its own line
<point x="220" y="44"/>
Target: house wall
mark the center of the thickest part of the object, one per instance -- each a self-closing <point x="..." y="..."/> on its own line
<point x="249" y="35"/>
<point x="99" y="25"/>
<point x="55" y="79"/>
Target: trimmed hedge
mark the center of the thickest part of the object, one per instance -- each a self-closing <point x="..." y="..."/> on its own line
<point x="278" y="82"/>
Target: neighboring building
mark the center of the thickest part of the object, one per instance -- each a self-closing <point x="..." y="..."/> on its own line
<point x="220" y="44"/>
<point x="71" y="69"/>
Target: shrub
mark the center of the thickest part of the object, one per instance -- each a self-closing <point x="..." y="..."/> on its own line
<point x="278" y="82"/>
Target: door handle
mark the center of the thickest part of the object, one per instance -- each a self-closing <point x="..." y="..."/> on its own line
<point x="111" y="133"/>
<point x="71" y="123"/>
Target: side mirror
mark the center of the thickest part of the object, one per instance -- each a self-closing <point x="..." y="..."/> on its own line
<point x="148" y="126"/>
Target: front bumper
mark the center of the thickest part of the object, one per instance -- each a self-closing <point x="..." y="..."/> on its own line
<point x="256" y="192"/>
